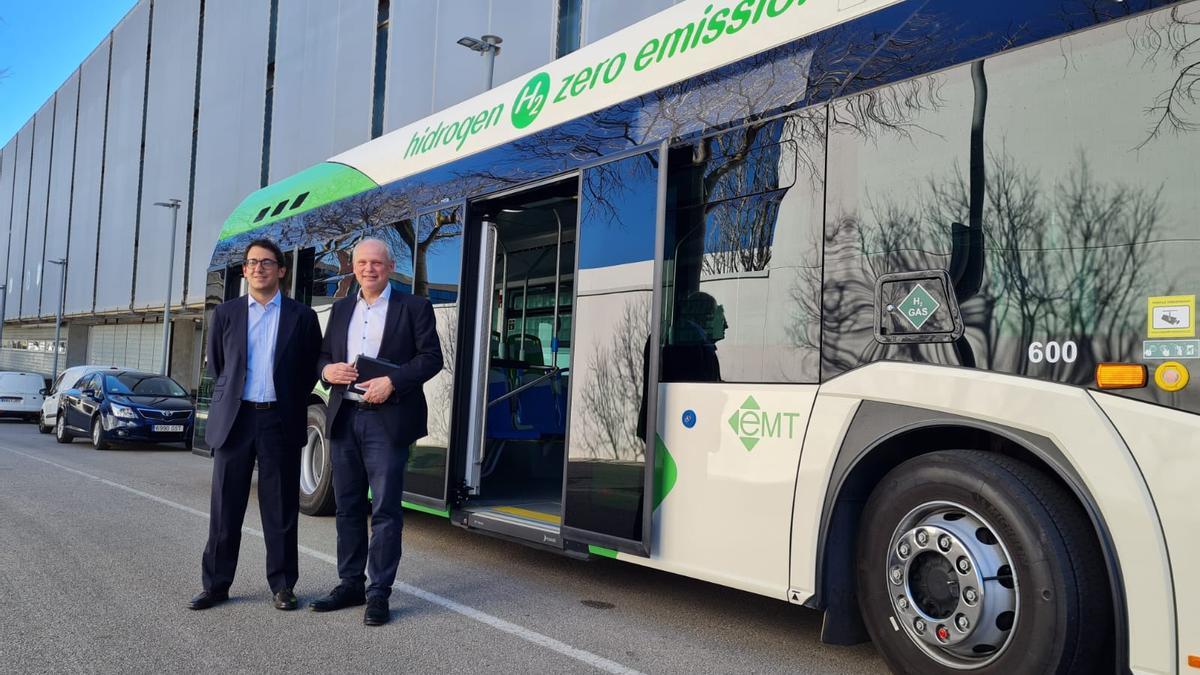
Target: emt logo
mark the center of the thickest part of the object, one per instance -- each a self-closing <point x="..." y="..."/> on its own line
<point x="752" y="424"/>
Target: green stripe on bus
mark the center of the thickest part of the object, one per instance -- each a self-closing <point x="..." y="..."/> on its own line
<point x="666" y="472"/>
<point x="425" y="509"/>
<point x="601" y="551"/>
<point x="313" y="187"/>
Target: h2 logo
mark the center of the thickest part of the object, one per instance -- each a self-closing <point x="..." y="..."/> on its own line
<point x="530" y="100"/>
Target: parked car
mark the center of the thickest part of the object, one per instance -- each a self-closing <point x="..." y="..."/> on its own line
<point x="125" y="405"/>
<point x="21" y="394"/>
<point x="65" y="380"/>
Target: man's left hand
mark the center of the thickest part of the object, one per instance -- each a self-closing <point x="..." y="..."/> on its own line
<point x="378" y="389"/>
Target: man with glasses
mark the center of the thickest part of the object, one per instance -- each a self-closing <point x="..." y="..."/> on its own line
<point x="262" y="356"/>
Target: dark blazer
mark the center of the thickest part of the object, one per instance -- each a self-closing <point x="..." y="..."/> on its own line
<point x="297" y="345"/>
<point x="410" y="341"/>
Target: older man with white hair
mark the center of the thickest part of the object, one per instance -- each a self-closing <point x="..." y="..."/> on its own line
<point x="372" y="424"/>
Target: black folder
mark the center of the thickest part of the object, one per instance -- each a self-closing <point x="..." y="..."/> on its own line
<point x="370" y="368"/>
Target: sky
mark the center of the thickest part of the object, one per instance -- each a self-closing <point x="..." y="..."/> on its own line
<point x="41" y="43"/>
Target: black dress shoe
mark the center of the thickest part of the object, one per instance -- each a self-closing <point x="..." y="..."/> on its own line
<point x="377" y="612"/>
<point x="285" y="600"/>
<point x="208" y="599"/>
<point x="339" y="598"/>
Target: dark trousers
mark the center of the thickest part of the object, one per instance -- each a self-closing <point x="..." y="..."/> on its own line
<point x="363" y="457"/>
<point x="256" y="434"/>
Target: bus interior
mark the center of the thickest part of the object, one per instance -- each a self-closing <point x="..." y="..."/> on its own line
<point x="519" y="467"/>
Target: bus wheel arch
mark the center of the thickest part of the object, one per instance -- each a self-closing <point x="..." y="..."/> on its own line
<point x="881" y="438"/>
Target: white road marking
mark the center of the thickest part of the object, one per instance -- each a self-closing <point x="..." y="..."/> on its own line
<point x="581" y="655"/>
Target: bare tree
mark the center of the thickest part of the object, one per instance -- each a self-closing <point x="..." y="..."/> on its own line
<point x="611" y="389"/>
<point x="1172" y="36"/>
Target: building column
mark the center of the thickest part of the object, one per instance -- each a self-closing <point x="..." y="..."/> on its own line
<point x="184" y="364"/>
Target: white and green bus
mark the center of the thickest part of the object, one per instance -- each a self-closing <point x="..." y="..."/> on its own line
<point x="881" y="307"/>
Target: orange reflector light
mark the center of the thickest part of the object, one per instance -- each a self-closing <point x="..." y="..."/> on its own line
<point x="1120" y="375"/>
<point x="1194" y="661"/>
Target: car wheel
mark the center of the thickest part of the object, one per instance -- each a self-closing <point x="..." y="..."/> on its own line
<point x="316" y="467"/>
<point x="60" y="430"/>
<point x="99" y="442"/>
<point x="41" y="424"/>
<point x="973" y="561"/>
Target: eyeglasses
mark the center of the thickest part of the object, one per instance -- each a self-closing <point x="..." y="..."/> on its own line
<point x="265" y="263"/>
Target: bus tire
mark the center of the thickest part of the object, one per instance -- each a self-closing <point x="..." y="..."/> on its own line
<point x="316" y="467"/>
<point x="974" y="561"/>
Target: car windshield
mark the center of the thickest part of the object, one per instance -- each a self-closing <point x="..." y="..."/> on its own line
<point x="143" y="385"/>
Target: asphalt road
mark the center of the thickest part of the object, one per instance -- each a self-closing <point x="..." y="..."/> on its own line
<point x="99" y="552"/>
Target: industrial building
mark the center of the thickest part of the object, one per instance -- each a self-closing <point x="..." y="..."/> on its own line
<point x="205" y="101"/>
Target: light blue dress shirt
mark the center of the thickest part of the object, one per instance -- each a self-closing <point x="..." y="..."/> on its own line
<point x="262" y="325"/>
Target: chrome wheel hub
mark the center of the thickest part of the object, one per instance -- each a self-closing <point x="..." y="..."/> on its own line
<point x="952" y="585"/>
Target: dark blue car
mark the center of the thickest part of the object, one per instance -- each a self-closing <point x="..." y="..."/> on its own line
<point x="126" y="405"/>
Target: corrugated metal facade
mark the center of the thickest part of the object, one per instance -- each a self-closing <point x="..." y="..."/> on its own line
<point x="232" y="97"/>
<point x="58" y="214"/>
<point x="166" y="171"/>
<point x="324" y="55"/>
<point x="122" y="161"/>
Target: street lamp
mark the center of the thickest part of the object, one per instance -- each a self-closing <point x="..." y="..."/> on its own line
<point x="172" y="204"/>
<point x="489" y="46"/>
<point x="62" y="294"/>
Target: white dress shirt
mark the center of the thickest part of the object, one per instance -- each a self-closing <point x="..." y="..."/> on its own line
<point x="366" y="326"/>
<point x="262" y="325"/>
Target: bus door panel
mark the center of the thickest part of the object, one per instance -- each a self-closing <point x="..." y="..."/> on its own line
<point x="437" y="254"/>
<point x="607" y="487"/>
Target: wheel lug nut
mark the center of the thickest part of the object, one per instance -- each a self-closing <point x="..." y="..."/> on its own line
<point x="919" y="625"/>
<point x="944" y="542"/>
<point x="964" y="565"/>
<point x="962" y="622"/>
<point x="897" y="574"/>
<point x="970" y="595"/>
<point x="943" y="633"/>
<point x="922" y="537"/>
<point x="902" y="602"/>
<point x="904" y="549"/>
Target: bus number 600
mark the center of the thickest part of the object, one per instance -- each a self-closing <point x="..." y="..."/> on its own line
<point x="1053" y="352"/>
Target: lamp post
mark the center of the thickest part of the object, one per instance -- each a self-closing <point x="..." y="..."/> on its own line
<point x="172" y="204"/>
<point x="62" y="294"/>
<point x="489" y="46"/>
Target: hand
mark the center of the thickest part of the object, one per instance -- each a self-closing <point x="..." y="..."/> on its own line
<point x="377" y="390"/>
<point x="339" y="373"/>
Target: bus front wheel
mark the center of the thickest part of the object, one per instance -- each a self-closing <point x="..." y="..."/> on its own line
<point x="973" y="561"/>
<point x="316" y="469"/>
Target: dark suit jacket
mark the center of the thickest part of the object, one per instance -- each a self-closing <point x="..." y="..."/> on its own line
<point x="410" y="341"/>
<point x="297" y="345"/>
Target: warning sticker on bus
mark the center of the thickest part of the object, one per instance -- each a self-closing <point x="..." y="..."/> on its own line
<point x="1171" y="316"/>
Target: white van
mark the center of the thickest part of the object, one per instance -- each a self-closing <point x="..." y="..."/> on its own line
<point x="67" y="379"/>
<point x="21" y="395"/>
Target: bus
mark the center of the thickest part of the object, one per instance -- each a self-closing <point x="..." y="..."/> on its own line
<point x="885" y="308"/>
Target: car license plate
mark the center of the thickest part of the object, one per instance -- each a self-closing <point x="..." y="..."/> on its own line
<point x="168" y="428"/>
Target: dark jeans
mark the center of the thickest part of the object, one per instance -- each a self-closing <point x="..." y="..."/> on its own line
<point x="256" y="434"/>
<point x="362" y="457"/>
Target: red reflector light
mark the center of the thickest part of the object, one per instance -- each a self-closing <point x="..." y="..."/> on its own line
<point x="1120" y="375"/>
